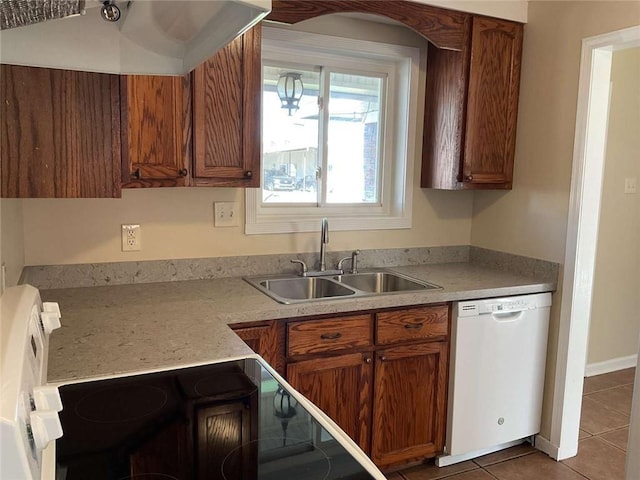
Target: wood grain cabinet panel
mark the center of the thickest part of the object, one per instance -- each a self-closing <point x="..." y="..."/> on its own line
<point x="328" y="335"/>
<point x="389" y="396"/>
<point x="341" y="387"/>
<point x="445" y="28"/>
<point x="492" y="105"/>
<point x="267" y="340"/>
<point x="471" y="109"/>
<point x="156" y="130"/>
<point x="220" y="429"/>
<point x="409" y="406"/>
<point x="226" y="110"/>
<point x="59" y="133"/>
<point x="412" y="324"/>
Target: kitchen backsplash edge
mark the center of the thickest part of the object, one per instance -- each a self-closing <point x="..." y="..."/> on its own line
<point x="120" y="273"/>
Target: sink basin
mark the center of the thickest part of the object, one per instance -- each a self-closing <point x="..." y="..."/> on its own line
<point x="286" y="290"/>
<point x="383" y="282"/>
<point x="290" y="289"/>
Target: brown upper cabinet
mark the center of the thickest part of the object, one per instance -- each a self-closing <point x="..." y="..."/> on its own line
<point x="80" y="134"/>
<point x="60" y="133"/>
<point x="203" y="129"/>
<point x="156" y="130"/>
<point x="473" y="78"/>
<point x="471" y="109"/>
<point x="226" y="111"/>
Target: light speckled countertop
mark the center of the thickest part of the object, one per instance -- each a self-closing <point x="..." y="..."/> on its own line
<point x="126" y="329"/>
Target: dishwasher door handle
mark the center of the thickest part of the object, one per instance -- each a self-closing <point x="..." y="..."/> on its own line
<point x="511" y="316"/>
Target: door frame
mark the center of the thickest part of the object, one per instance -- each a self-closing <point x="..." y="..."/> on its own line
<point x="582" y="231"/>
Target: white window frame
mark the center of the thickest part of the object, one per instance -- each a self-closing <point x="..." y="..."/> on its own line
<point x="401" y="66"/>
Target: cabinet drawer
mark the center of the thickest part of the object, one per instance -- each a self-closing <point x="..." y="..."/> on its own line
<point x="412" y="324"/>
<point x="327" y="335"/>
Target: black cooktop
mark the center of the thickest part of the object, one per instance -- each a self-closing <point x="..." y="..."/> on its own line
<point x="228" y="421"/>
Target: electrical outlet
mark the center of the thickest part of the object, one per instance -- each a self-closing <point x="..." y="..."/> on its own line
<point x="225" y="214"/>
<point x="630" y="185"/>
<point x="131" y="240"/>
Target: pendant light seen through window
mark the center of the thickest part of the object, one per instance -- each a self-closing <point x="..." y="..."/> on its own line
<point x="290" y="89"/>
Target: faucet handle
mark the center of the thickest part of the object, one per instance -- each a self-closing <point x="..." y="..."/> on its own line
<point x="354" y="261"/>
<point x="304" y="267"/>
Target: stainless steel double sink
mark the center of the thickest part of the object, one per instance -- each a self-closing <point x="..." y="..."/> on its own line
<point x="292" y="289"/>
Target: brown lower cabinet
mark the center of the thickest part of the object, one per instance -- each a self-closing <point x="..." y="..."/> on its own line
<point x="266" y="339"/>
<point x="389" y="393"/>
<point x="382" y="376"/>
<point x="409" y="403"/>
<point x="341" y="386"/>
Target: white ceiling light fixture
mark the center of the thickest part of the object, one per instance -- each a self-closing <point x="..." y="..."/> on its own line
<point x="152" y="37"/>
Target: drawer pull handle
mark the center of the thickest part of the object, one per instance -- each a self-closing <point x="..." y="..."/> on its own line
<point x="367" y="360"/>
<point x="413" y="326"/>
<point x="330" y="336"/>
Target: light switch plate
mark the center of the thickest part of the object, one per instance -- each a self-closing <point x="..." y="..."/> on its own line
<point x="226" y="214"/>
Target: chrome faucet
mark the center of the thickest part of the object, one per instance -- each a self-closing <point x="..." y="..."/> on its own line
<point x="324" y="241"/>
<point x="322" y="271"/>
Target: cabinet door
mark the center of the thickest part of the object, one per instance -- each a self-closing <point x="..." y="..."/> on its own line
<point x="341" y="387"/>
<point x="225" y="441"/>
<point x="156" y="130"/>
<point x="227" y="93"/>
<point x="59" y="133"/>
<point x="266" y="340"/>
<point x="409" y="406"/>
<point x="492" y="102"/>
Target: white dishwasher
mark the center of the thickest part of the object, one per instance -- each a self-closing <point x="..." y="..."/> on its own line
<point x="497" y="367"/>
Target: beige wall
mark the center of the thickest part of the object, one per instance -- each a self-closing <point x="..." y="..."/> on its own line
<point x="11" y="239"/>
<point x="178" y="222"/>
<point x="615" y="321"/>
<point x="531" y="219"/>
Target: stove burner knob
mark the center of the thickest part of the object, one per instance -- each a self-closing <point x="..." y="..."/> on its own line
<point x="50" y="316"/>
<point x="45" y="426"/>
<point x="47" y="397"/>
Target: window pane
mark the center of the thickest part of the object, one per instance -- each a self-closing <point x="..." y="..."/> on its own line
<point x="354" y="161"/>
<point x="290" y="138"/>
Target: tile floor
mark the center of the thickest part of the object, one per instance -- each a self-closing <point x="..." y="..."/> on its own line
<point x="604" y="428"/>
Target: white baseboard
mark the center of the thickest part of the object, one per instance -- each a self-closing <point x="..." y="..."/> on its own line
<point x="545" y="446"/>
<point x="612" y="365"/>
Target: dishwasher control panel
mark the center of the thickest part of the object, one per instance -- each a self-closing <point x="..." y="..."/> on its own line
<point x="502" y="305"/>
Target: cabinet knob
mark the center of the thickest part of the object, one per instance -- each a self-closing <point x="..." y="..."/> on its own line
<point x="383" y="358"/>
<point x="367" y="360"/>
<point x="136" y="174"/>
<point x="183" y="172"/>
<point x="248" y="174"/>
<point x="468" y="178"/>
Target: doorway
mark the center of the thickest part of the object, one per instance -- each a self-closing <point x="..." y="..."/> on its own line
<point x="582" y="230"/>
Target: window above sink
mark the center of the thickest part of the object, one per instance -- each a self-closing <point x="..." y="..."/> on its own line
<point x="346" y="153"/>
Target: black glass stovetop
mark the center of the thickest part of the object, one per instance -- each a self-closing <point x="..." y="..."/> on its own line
<point x="230" y="421"/>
